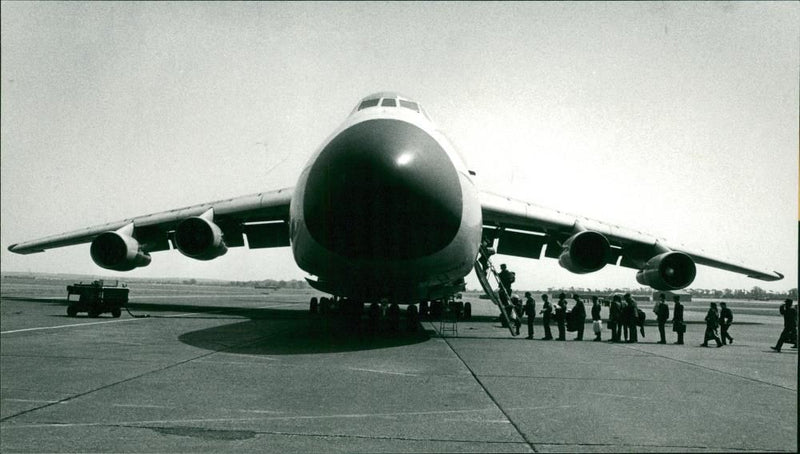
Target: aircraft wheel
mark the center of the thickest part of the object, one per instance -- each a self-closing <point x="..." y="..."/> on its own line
<point x="423" y="309"/>
<point x="314" y="305"/>
<point x="116" y="312"/>
<point x="324" y="305"/>
<point x="467" y="311"/>
<point x="458" y="308"/>
<point x="412" y="317"/>
<point x="394" y="317"/>
<point x="437" y="308"/>
<point x="72" y="311"/>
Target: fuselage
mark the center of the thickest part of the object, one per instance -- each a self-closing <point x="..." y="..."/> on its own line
<point x="386" y="208"/>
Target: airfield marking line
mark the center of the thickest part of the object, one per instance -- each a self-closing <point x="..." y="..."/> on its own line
<point x="383" y="372"/>
<point x="364" y="437"/>
<point x="631" y="347"/>
<point x="139" y="406"/>
<point x="100" y="388"/>
<point x="31" y="400"/>
<point x="268" y="418"/>
<point x="40" y="328"/>
<point x="273" y="432"/>
<point x="69" y="326"/>
<point x="621" y="396"/>
<point x="486" y="390"/>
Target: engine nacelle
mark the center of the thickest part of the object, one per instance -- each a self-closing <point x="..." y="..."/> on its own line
<point x="200" y="239"/>
<point x="585" y="252"/>
<point x="119" y="252"/>
<point x="668" y="271"/>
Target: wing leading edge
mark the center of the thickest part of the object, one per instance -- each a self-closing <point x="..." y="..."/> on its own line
<point x="524" y="229"/>
<point x="262" y="217"/>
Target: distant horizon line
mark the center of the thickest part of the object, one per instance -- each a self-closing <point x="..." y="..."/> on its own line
<point x="637" y="290"/>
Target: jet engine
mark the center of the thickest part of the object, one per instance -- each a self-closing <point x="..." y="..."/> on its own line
<point x="585" y="252"/>
<point x="118" y="251"/>
<point x="668" y="271"/>
<point x="199" y="238"/>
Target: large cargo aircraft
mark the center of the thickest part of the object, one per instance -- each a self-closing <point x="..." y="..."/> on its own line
<point x="386" y="209"/>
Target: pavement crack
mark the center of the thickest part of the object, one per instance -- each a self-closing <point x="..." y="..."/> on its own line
<point x="489" y="394"/>
<point x="631" y="347"/>
<point x="119" y="382"/>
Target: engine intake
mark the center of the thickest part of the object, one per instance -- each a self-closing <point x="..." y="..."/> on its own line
<point x="200" y="239"/>
<point x="118" y="251"/>
<point x="585" y="252"/>
<point x="668" y="271"/>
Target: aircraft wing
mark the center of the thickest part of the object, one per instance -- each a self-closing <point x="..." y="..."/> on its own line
<point x="262" y="217"/>
<point x="524" y="229"/>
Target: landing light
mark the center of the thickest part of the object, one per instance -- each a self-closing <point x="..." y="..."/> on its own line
<point x="404" y="159"/>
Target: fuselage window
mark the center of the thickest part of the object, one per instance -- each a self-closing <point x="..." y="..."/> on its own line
<point x="368" y="103"/>
<point x="409" y="105"/>
<point x="391" y="102"/>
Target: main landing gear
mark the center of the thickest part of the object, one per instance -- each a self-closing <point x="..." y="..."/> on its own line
<point x="380" y="317"/>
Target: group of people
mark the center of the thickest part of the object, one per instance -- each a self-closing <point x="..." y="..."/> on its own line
<point x="626" y="320"/>
<point x="625" y="317"/>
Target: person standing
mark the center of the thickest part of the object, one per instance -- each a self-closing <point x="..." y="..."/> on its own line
<point x="597" y="322"/>
<point x="547" y="314"/>
<point x="578" y="316"/>
<point x="677" y="319"/>
<point x="712" y="323"/>
<point x="662" y="315"/>
<point x="725" y="321"/>
<point x="530" y="312"/>
<point x="633" y="317"/>
<point x="624" y="319"/>
<point x="516" y="316"/>
<point x="614" y="318"/>
<point x="789" y="325"/>
<point x="561" y="316"/>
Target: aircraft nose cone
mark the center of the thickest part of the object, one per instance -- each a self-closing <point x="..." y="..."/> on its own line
<point x="383" y="189"/>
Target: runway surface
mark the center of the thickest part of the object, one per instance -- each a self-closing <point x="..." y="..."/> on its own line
<point x="220" y="369"/>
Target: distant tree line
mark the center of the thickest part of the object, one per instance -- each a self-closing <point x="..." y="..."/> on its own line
<point x="755" y="293"/>
<point x="296" y="284"/>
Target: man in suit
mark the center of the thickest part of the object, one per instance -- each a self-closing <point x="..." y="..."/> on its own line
<point x="530" y="312"/>
<point x="615" y="318"/>
<point x="725" y="320"/>
<point x="632" y="317"/>
<point x="547" y="314"/>
<point x="561" y="316"/>
<point x="662" y="315"/>
<point x="712" y="323"/>
<point x="578" y="316"/>
<point x="789" y="325"/>
<point x="677" y="319"/>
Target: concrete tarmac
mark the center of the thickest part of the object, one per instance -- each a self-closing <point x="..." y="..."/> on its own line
<point x="221" y="369"/>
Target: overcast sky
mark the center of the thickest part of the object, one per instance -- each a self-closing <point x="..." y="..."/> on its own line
<point x="679" y="119"/>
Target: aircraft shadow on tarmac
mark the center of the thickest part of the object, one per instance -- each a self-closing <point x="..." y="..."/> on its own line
<point x="274" y="331"/>
<point x="279" y="335"/>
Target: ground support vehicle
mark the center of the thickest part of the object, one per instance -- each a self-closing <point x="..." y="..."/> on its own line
<point x="96" y="298"/>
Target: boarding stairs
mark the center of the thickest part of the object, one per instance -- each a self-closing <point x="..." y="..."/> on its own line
<point x="449" y="321"/>
<point x="484" y="269"/>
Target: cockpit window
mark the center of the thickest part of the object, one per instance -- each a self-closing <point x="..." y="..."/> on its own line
<point x="368" y="103"/>
<point x="391" y="102"/>
<point x="409" y="105"/>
